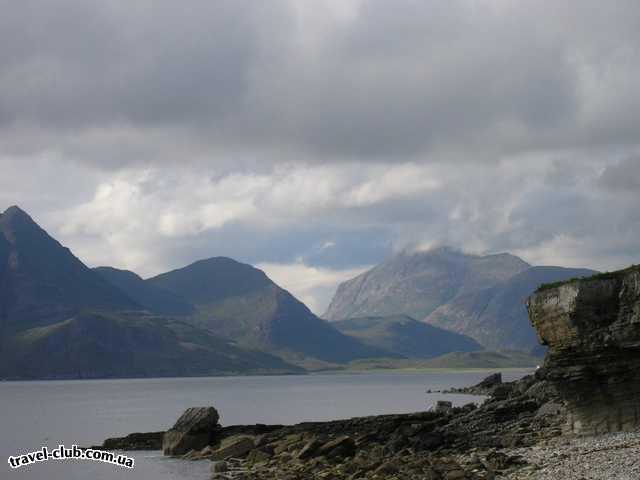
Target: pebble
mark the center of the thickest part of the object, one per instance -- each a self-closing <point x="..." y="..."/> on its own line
<point x="606" y="457"/>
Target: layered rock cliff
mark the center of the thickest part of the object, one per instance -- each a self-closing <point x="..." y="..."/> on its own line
<point x="592" y="328"/>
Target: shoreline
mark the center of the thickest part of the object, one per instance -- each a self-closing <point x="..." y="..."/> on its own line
<point x="467" y="442"/>
<point x="524" y="370"/>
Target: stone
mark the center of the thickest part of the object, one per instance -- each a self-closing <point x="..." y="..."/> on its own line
<point x="491" y="381"/>
<point x="236" y="447"/>
<point x="219" y="466"/>
<point x="134" y="441"/>
<point x="592" y="329"/>
<point x="443" y="406"/>
<point x="194" y="430"/>
<point x="549" y="408"/>
<point x="310" y="449"/>
<point x="258" y="456"/>
<point x="343" y="446"/>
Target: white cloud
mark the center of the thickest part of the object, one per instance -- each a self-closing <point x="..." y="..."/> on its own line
<point x="312" y="285"/>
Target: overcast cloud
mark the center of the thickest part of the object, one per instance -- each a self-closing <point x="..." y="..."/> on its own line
<point x="315" y="138"/>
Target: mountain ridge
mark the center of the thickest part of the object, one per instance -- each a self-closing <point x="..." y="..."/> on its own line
<point x="416" y="283"/>
<point x="240" y="302"/>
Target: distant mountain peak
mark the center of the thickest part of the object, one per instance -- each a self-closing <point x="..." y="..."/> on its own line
<point x="416" y="283"/>
<point x="14" y="209"/>
<point x="15" y="213"/>
<point x="11" y="219"/>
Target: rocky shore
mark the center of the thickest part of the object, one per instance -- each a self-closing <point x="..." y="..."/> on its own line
<point x="468" y="442"/>
<point x="528" y="429"/>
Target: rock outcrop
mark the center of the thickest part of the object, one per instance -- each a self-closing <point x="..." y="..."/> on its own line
<point x="194" y="430"/>
<point x="470" y="442"/>
<point x="592" y="328"/>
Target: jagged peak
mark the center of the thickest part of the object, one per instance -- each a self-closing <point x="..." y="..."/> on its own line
<point x="14" y="213"/>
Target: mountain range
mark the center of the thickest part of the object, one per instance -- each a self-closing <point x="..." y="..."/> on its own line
<point x="482" y="297"/>
<point x="61" y="319"/>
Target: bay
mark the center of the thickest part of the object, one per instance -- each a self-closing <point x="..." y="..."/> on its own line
<point x="85" y="412"/>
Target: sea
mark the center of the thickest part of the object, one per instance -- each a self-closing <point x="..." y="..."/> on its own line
<point x="34" y="414"/>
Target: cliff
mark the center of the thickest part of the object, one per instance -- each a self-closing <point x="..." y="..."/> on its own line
<point x="592" y="329"/>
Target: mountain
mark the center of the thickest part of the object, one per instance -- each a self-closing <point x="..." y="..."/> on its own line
<point x="497" y="316"/>
<point x="98" y="345"/>
<point x="240" y="302"/>
<point x="60" y="319"/>
<point x="417" y="283"/>
<point x="406" y="336"/>
<point x="149" y="296"/>
<point x="42" y="282"/>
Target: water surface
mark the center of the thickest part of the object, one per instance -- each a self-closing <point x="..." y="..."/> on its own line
<point x="34" y="414"/>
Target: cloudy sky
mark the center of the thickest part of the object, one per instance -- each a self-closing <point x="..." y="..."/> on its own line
<point x="315" y="138"/>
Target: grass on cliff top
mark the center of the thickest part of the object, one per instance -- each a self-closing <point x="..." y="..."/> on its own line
<point x="597" y="276"/>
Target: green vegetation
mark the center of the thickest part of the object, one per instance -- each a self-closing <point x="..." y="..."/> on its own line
<point x="597" y="276"/>
<point x="454" y="360"/>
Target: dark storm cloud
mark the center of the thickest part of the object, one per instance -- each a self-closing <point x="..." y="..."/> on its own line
<point x="316" y="137"/>
<point x="316" y="81"/>
<point x="623" y="175"/>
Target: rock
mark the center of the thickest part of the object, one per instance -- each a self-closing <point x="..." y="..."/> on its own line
<point x="491" y="381"/>
<point x="236" y="447"/>
<point x="442" y="406"/>
<point x="219" y="466"/>
<point x="388" y="468"/>
<point x="455" y="475"/>
<point x="194" y="430"/>
<point x="549" y="408"/>
<point x="592" y="329"/>
<point x="309" y="450"/>
<point x="342" y="446"/>
<point x="134" y="441"/>
<point x="258" y="456"/>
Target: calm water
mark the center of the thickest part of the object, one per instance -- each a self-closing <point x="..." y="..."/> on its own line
<point x="50" y="413"/>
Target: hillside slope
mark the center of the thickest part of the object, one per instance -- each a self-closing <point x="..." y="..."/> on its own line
<point x="497" y="316"/>
<point x="150" y="297"/>
<point x="416" y="283"/>
<point x="406" y="336"/>
<point x="42" y="282"/>
<point x="240" y="302"/>
<point x="99" y="345"/>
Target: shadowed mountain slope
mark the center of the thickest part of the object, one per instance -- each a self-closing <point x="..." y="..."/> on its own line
<point x="60" y="319"/>
<point x="240" y="302"/>
<point x="497" y="316"/>
<point x="150" y="297"/>
<point x="406" y="336"/>
<point x="41" y="281"/>
<point x="98" y="345"/>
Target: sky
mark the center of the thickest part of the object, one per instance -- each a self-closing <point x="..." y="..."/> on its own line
<point x="316" y="138"/>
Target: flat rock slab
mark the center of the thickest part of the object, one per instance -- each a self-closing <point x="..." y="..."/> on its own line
<point x="236" y="447"/>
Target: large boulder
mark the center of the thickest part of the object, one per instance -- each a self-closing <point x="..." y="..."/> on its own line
<point x="194" y="430"/>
